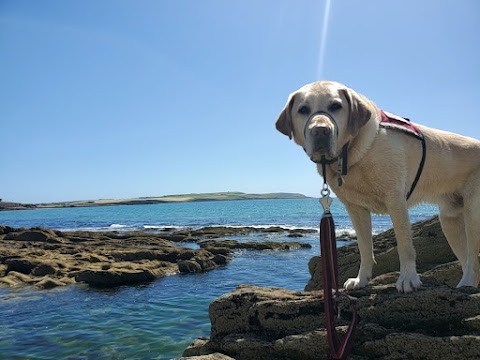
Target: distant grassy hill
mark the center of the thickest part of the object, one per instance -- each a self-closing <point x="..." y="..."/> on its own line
<point x="158" y="199"/>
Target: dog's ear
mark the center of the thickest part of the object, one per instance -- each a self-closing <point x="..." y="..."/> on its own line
<point x="284" y="122"/>
<point x="358" y="114"/>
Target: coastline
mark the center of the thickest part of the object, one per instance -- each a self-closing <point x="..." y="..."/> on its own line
<point x="217" y="196"/>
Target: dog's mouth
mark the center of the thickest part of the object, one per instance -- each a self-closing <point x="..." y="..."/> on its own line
<point x="320" y="136"/>
<point x="321" y="145"/>
<point x="319" y="156"/>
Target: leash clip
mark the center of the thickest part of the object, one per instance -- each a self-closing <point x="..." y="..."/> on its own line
<point x="326" y="200"/>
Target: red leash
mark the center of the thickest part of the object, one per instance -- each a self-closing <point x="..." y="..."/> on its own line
<point x="339" y="347"/>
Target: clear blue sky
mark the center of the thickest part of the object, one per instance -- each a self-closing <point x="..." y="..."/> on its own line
<point x="118" y="99"/>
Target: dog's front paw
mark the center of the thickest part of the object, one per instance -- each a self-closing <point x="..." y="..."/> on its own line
<point x="408" y="282"/>
<point x="355" y="283"/>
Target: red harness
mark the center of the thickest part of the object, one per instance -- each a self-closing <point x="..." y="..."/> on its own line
<point x="391" y="121"/>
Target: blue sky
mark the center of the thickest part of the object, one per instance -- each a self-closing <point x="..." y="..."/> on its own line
<point x="118" y="99"/>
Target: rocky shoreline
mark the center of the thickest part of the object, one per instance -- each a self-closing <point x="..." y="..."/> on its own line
<point x="436" y="322"/>
<point x="48" y="258"/>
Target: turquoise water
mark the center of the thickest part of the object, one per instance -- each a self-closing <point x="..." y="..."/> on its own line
<point x="160" y="319"/>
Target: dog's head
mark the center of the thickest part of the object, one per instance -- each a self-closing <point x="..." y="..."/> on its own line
<point x="322" y="117"/>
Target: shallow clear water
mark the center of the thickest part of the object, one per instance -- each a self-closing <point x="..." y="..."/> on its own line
<point x="157" y="320"/>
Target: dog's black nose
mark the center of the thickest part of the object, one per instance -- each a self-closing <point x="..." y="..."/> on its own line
<point x="320" y="131"/>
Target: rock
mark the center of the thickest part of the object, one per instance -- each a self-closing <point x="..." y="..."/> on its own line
<point x="99" y="259"/>
<point x="114" y="277"/>
<point x="217" y="250"/>
<point x="268" y="311"/>
<point x="253" y="245"/>
<point x="206" y="264"/>
<point x="220" y="231"/>
<point x="35" y="234"/>
<point x="220" y="259"/>
<point x="301" y="232"/>
<point x="21" y="265"/>
<point x="189" y="266"/>
<point x="271" y="323"/>
<point x="295" y="235"/>
<point x="198" y="347"/>
<point x="419" y="346"/>
<point x="186" y="255"/>
<point x="175" y="237"/>
<point x="49" y="283"/>
<point x="136" y="255"/>
<point x="473" y="323"/>
<point x="43" y="269"/>
<point x="201" y="261"/>
<point x="16" y="279"/>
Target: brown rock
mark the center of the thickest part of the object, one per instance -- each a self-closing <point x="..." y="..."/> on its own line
<point x="186" y="255"/>
<point x="271" y="323"/>
<point x="35" y="234"/>
<point x="21" y="265"/>
<point x="419" y="346"/>
<point x="49" y="283"/>
<point x="43" y="269"/>
<point x="114" y="277"/>
<point x="199" y="347"/>
<point x="217" y="250"/>
<point x="175" y="237"/>
<point x="253" y="245"/>
<point x="206" y="264"/>
<point x="189" y="266"/>
<point x="220" y="259"/>
<point x="270" y="311"/>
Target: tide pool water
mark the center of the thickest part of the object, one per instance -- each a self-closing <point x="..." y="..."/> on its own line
<point x="156" y="320"/>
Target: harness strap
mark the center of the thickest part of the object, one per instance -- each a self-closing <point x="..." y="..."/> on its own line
<point x="391" y="121"/>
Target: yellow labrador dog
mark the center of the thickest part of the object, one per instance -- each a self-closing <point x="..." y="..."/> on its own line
<point x="326" y="117"/>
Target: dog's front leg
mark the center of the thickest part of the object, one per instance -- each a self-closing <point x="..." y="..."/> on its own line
<point x="362" y="224"/>
<point x="408" y="280"/>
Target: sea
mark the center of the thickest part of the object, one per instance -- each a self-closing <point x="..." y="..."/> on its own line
<point x="160" y="319"/>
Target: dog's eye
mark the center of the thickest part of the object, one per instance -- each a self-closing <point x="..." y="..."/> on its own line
<point x="304" y="110"/>
<point x="335" y="107"/>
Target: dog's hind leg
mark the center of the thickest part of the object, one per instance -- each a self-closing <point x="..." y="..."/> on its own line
<point x="453" y="226"/>
<point x="471" y="215"/>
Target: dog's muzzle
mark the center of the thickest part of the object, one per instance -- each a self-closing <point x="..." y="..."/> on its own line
<point x="320" y="133"/>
